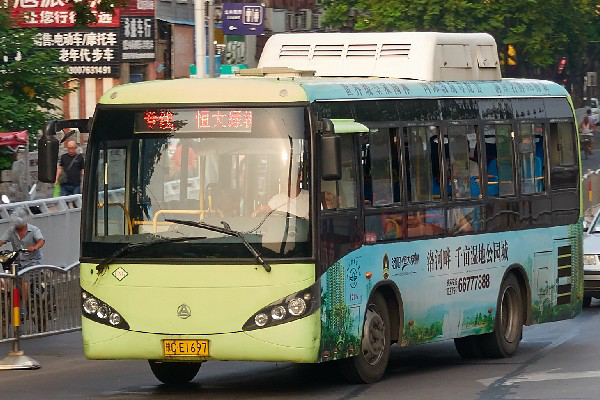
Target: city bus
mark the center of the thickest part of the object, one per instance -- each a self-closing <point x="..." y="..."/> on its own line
<point x="353" y="192"/>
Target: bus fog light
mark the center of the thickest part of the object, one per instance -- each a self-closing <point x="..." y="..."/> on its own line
<point x="296" y="306"/>
<point x="102" y="312"/>
<point x="261" y="319"/>
<point x="278" y="313"/>
<point x="90" y="305"/>
<point x="115" y="319"/>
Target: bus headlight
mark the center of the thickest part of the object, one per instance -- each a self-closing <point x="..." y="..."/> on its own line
<point x="90" y="305"/>
<point x="296" y="306"/>
<point x="99" y="311"/>
<point x="590" y="259"/>
<point x="290" y="308"/>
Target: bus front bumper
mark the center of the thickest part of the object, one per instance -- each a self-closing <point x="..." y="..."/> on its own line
<point x="296" y="341"/>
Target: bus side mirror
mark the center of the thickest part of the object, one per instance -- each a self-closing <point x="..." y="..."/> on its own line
<point x="48" y="154"/>
<point x="331" y="157"/>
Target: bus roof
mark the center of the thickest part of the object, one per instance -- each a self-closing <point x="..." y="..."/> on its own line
<point x="299" y="90"/>
<point x="198" y="91"/>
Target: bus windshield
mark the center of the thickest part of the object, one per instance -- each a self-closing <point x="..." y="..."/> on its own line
<point x="247" y="169"/>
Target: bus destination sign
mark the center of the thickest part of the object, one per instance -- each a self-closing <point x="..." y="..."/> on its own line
<point x="213" y="120"/>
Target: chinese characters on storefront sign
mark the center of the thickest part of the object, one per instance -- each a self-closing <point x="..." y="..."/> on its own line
<point x="55" y="14"/>
<point x="137" y="38"/>
<point x="87" y="52"/>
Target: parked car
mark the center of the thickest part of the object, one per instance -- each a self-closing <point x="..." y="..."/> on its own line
<point x="591" y="261"/>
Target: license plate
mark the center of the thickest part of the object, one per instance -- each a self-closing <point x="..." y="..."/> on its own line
<point x="185" y="347"/>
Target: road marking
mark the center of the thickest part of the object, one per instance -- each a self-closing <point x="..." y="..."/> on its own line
<point x="541" y="377"/>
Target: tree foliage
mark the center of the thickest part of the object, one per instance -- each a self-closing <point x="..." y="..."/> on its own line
<point x="30" y="80"/>
<point x="541" y="31"/>
<point x="84" y="15"/>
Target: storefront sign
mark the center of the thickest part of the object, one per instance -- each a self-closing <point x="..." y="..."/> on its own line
<point x="55" y="13"/>
<point x="137" y="38"/>
<point x="88" y="53"/>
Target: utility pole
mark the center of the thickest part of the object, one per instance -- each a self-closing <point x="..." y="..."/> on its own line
<point x="200" y="36"/>
<point x="211" y="38"/>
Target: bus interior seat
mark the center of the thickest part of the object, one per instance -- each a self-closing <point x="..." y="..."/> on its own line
<point x="492" y="178"/>
<point x="474" y="185"/>
<point x="539" y="174"/>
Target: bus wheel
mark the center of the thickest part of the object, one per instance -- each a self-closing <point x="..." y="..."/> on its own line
<point x="369" y="366"/>
<point x="587" y="301"/>
<point x="469" y="347"/>
<point x="508" y="330"/>
<point x="174" y="373"/>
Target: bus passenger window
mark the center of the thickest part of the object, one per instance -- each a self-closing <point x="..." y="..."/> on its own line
<point x="540" y="154"/>
<point x="385" y="227"/>
<point x="428" y="222"/>
<point x="465" y="220"/>
<point x="463" y="168"/>
<point x="342" y="193"/>
<point x="561" y="149"/>
<point x="499" y="157"/>
<point x="530" y="164"/>
<point x="423" y="164"/>
<point x="380" y="167"/>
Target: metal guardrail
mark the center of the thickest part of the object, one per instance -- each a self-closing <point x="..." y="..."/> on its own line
<point x="50" y="301"/>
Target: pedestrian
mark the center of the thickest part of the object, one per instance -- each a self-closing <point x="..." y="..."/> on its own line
<point x="23" y="235"/>
<point x="591" y="118"/>
<point x="70" y="170"/>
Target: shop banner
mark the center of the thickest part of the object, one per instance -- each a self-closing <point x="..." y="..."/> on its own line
<point x="88" y="53"/>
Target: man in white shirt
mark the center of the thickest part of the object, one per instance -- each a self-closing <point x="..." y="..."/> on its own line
<point x="294" y="200"/>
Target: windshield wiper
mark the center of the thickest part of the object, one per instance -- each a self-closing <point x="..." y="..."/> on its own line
<point x="227" y="231"/>
<point x="137" y="246"/>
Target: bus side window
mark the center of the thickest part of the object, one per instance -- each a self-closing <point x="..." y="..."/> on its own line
<point x="463" y="168"/>
<point x="422" y="164"/>
<point x="380" y="167"/>
<point x="499" y="156"/>
<point x="429" y="222"/>
<point x="342" y="193"/>
<point x="540" y="154"/>
<point x="562" y="148"/>
<point x="530" y="164"/>
<point x="118" y="222"/>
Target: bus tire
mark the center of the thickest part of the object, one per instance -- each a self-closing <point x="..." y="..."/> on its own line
<point x="508" y="325"/>
<point x="587" y="301"/>
<point x="469" y="347"/>
<point x="174" y="373"/>
<point x="370" y="364"/>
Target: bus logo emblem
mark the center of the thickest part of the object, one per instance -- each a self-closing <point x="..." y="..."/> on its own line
<point x="120" y="274"/>
<point x="183" y="311"/>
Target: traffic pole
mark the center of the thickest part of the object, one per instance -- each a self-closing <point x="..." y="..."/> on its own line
<point x="16" y="358"/>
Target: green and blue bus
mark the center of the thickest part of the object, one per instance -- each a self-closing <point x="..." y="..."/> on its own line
<point x="329" y="204"/>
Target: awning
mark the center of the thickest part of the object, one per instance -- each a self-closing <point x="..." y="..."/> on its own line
<point x="13" y="139"/>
